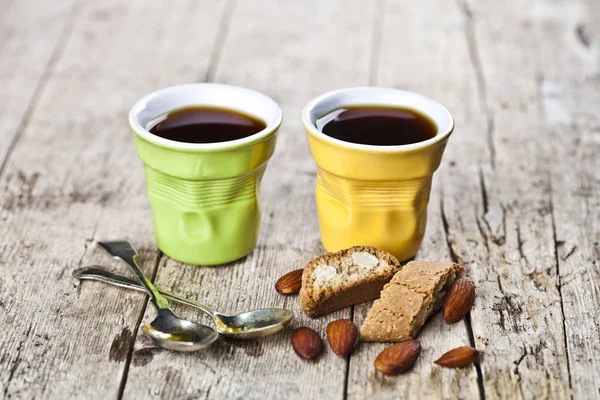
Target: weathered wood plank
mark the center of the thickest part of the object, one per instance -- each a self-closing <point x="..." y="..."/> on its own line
<point x="32" y="37"/>
<point x="74" y="177"/>
<point x="520" y="210"/>
<point x="569" y="95"/>
<point x="293" y="51"/>
<point x="421" y="62"/>
<point x="505" y="234"/>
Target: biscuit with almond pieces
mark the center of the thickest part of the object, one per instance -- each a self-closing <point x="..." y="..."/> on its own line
<point x="347" y="277"/>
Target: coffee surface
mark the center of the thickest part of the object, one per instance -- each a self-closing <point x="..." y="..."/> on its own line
<point x="379" y="126"/>
<point x="206" y="125"/>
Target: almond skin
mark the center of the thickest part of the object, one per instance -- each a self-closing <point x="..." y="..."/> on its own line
<point x="306" y="343"/>
<point x="398" y="358"/>
<point x="459" y="301"/>
<point x="290" y="283"/>
<point x="342" y="335"/>
<point x="459" y="357"/>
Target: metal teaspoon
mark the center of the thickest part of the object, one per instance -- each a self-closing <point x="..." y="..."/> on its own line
<point x="167" y="330"/>
<point x="248" y="325"/>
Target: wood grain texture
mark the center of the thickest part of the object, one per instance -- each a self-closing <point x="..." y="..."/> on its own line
<point x="72" y="178"/>
<point x="569" y="95"/>
<point x="517" y="319"/>
<point x="516" y="200"/>
<point x="32" y="38"/>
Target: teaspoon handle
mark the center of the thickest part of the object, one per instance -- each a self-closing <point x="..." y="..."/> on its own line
<point x="124" y="251"/>
<point x="100" y="274"/>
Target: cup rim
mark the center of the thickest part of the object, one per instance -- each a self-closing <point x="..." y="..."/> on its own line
<point x="144" y="133"/>
<point x="445" y="123"/>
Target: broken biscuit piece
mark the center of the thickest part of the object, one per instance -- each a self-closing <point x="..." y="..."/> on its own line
<point x="350" y="276"/>
<point x="415" y="293"/>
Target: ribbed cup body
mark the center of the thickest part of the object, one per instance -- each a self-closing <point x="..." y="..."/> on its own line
<point x="206" y="206"/>
<point x="205" y="219"/>
<point x="373" y="198"/>
<point x="390" y="215"/>
<point x="205" y="196"/>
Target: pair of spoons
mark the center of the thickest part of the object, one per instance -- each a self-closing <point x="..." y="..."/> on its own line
<point x="174" y="333"/>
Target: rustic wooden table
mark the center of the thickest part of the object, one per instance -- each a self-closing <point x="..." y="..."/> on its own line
<point x="516" y="200"/>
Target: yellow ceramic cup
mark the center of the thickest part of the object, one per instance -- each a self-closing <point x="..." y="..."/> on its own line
<point x="374" y="195"/>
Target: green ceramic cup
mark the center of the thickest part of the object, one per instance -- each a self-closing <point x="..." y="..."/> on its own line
<point x="205" y="197"/>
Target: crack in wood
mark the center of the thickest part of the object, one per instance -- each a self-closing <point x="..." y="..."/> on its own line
<point x="477" y="364"/>
<point x="559" y="288"/>
<point x="484" y="200"/>
<point x="13" y="369"/>
<point x="219" y="43"/>
<point x="513" y="308"/>
<point x="539" y="93"/>
<point x="537" y="353"/>
<point x="569" y="253"/>
<point x="347" y="374"/>
<point x="518" y="362"/>
<point x="449" y="242"/>
<point x="211" y="386"/>
<point x="483" y="234"/>
<point x="520" y="244"/>
<point x="502" y="323"/>
<point x="497" y="235"/>
<point x="475" y="59"/>
<point x="484" y="195"/>
<point x="583" y="35"/>
<point x="17" y="362"/>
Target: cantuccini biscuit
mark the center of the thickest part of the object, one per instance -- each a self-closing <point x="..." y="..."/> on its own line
<point x="350" y="276"/>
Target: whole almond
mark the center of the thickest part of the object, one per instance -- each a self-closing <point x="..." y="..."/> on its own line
<point x="459" y="357"/>
<point x="306" y="343"/>
<point x="398" y="358"/>
<point x="342" y="335"/>
<point x="459" y="301"/>
<point x="290" y="283"/>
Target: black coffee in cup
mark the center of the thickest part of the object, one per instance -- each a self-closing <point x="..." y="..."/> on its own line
<point x="379" y="126"/>
<point x="205" y="125"/>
